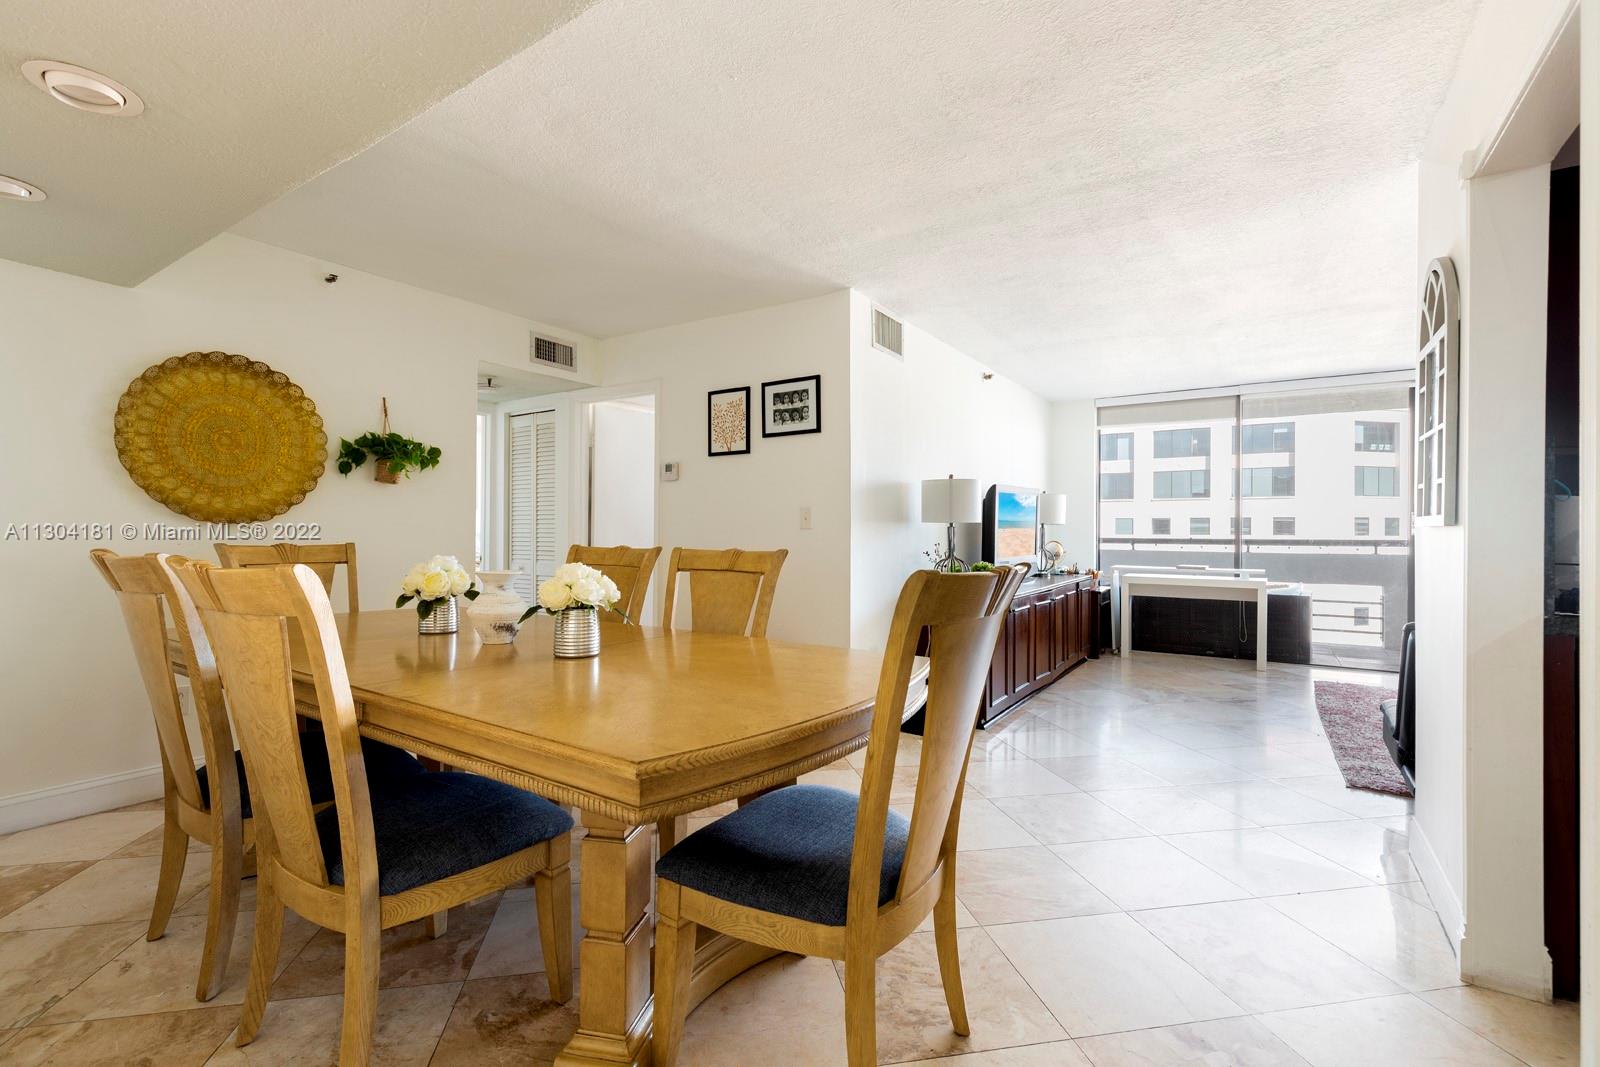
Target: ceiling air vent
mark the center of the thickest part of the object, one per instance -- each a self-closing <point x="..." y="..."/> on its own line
<point x="886" y="333"/>
<point x="552" y="353"/>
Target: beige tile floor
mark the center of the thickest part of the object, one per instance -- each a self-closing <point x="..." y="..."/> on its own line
<point x="1159" y="865"/>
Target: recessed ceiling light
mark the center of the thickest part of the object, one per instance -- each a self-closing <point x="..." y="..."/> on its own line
<point x="17" y="189"/>
<point x="82" y="88"/>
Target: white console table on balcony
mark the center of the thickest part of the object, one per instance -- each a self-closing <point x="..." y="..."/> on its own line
<point x="1191" y="586"/>
<point x="1118" y="570"/>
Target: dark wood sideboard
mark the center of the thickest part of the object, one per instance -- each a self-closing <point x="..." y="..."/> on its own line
<point x="1054" y="626"/>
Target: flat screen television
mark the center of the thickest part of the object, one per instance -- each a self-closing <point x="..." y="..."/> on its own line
<point x="1010" y="524"/>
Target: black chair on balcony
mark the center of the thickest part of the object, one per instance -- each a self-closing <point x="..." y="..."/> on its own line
<point x="1400" y="713"/>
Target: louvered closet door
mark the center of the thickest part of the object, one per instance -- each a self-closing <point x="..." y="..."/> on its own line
<point x="531" y="538"/>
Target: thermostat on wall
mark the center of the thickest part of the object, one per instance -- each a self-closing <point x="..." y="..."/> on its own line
<point x="669" y="471"/>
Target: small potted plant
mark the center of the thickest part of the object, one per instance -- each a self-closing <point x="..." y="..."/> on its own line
<point x="393" y="454"/>
<point x="434" y="585"/>
<point x="575" y="595"/>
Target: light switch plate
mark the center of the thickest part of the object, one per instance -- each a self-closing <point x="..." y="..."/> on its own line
<point x="669" y="471"/>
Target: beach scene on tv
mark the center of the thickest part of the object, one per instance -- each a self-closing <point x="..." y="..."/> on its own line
<point x="1016" y="521"/>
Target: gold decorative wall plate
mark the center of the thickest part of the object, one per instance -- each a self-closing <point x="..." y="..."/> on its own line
<point x="220" y="438"/>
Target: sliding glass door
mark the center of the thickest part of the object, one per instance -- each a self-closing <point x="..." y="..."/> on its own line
<point x="1308" y="486"/>
<point x="1165" y="478"/>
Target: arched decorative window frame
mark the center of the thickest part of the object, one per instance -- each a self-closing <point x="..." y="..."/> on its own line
<point x="1436" y="417"/>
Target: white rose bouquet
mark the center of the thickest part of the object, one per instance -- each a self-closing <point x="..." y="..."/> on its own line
<point x="434" y="582"/>
<point x="575" y="585"/>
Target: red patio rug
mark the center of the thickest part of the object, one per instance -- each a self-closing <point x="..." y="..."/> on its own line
<point x="1354" y="724"/>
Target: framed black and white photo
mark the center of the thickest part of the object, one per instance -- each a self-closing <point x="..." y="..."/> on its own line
<point x="728" y="422"/>
<point x="791" y="406"/>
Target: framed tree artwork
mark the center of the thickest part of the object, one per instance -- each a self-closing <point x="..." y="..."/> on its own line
<point x="728" y="422"/>
<point x="791" y="406"/>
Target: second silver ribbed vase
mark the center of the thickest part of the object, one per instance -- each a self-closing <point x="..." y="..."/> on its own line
<point x="442" y="619"/>
<point x="577" y="633"/>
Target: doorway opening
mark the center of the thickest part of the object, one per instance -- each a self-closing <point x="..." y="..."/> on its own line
<point x="620" y="483"/>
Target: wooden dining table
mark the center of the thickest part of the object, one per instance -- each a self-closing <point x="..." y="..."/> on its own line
<point x="661" y="724"/>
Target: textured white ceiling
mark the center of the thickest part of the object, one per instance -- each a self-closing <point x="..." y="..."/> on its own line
<point x="244" y="101"/>
<point x="1095" y="198"/>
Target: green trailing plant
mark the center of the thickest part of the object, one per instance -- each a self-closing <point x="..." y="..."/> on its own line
<point x="982" y="565"/>
<point x="399" y="453"/>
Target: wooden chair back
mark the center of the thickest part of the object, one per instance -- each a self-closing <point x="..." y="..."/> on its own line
<point x="630" y="568"/>
<point x="730" y="589"/>
<point x="324" y="560"/>
<point x="963" y="614"/>
<point x="148" y="591"/>
<point x="248" y="614"/>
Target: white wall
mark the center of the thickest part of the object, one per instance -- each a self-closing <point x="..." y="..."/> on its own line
<point x="1074" y="439"/>
<point x="1508" y="227"/>
<point x="73" y="711"/>
<point x="754" y="501"/>
<point x="1478" y="602"/>
<point x="927" y="416"/>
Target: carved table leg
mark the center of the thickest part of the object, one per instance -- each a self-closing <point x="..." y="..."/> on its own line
<point x="614" y="956"/>
<point x="670" y="831"/>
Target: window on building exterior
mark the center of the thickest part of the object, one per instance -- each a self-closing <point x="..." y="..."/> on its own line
<point x="1234" y="528"/>
<point x="1363" y="526"/>
<point x="1363" y="615"/>
<point x="1172" y="444"/>
<point x="1266" y="437"/>
<point x="1160" y="527"/>
<point x="1173" y="485"/>
<point x="1200" y="527"/>
<point x="1376" y="436"/>
<point x="1377" y="481"/>
<point x="1283" y="527"/>
<point x="1391" y="527"/>
<point x="1116" y="486"/>
<point x="1116" y="446"/>
<point x="1124" y="527"/>
<point x="1267" y="481"/>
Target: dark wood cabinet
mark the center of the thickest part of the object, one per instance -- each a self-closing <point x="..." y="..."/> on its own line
<point x="1044" y="642"/>
<point x="1053" y="627"/>
<point x="1019" y="627"/>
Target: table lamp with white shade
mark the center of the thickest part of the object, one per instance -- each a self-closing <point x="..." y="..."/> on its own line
<point x="1052" y="512"/>
<point x="951" y="500"/>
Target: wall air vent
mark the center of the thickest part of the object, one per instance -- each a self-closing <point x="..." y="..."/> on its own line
<point x="551" y="353"/>
<point x="886" y="333"/>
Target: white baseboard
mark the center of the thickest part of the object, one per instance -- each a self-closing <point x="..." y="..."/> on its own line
<point x="1525" y="974"/>
<point x="23" y="811"/>
<point x="1445" y="900"/>
<point x="1528" y="973"/>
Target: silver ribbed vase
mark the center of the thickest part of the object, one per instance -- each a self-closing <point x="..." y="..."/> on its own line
<point x="577" y="633"/>
<point x="441" y="620"/>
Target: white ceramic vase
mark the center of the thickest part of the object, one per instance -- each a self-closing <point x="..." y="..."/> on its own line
<point x="496" y="614"/>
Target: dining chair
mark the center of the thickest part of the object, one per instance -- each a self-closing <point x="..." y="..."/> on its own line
<point x="730" y="592"/>
<point x="730" y="589"/>
<point x="823" y="872"/>
<point x="388" y="851"/>
<point x="211" y="802"/>
<point x="324" y="559"/>
<point x="630" y="568"/>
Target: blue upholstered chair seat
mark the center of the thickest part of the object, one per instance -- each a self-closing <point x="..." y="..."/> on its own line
<point x="787" y="852"/>
<point x="431" y="826"/>
<point x="383" y="762"/>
